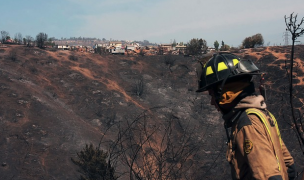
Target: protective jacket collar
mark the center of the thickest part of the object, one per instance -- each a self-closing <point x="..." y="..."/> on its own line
<point x="253" y="101"/>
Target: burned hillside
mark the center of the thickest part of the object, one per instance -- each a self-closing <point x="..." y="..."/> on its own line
<point x="55" y="102"/>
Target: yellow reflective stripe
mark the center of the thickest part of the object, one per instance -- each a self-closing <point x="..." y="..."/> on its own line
<point x="235" y="61"/>
<point x="209" y="70"/>
<point x="221" y="66"/>
<point x="261" y="116"/>
<point x="277" y="127"/>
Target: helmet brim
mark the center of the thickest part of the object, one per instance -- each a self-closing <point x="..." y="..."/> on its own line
<point x="210" y="86"/>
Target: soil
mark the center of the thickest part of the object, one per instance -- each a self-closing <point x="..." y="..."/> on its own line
<point x="53" y="103"/>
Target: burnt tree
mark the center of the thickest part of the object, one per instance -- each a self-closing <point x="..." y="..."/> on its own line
<point x="296" y="31"/>
<point x="152" y="149"/>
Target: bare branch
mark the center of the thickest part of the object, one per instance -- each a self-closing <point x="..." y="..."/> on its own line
<point x="293" y="28"/>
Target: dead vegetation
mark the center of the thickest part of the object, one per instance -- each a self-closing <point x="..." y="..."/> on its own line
<point x="54" y="103"/>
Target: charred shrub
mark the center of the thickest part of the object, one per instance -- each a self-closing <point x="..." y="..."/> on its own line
<point x="301" y="54"/>
<point x="13" y="55"/>
<point x="287" y="56"/>
<point x="36" y="60"/>
<point x="169" y="60"/>
<point x="93" y="164"/>
<point x="33" y="70"/>
<point x="138" y="88"/>
<point x="142" y="52"/>
<point x="73" y="57"/>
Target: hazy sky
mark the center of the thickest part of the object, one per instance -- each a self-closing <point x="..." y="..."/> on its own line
<point x="159" y="21"/>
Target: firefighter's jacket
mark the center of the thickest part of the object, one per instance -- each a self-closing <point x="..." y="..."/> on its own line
<point x="255" y="149"/>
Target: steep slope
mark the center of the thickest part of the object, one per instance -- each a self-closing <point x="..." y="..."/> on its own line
<point x="54" y="102"/>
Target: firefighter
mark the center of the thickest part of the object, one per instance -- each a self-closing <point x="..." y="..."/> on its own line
<point x="255" y="148"/>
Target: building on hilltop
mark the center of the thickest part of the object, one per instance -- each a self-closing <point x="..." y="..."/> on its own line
<point x="166" y="47"/>
<point x="181" y="48"/>
<point x="63" y="47"/>
<point x="115" y="43"/>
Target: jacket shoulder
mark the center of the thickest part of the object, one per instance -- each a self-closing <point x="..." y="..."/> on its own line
<point x="243" y="120"/>
<point x="252" y="117"/>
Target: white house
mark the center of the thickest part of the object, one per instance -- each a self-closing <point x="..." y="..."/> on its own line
<point x="115" y="43"/>
<point x="117" y="50"/>
<point x="63" y="47"/>
<point x="181" y="48"/>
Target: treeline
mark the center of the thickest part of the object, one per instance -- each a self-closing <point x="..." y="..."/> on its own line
<point x="198" y="46"/>
<point x="41" y="39"/>
<point x="194" y="47"/>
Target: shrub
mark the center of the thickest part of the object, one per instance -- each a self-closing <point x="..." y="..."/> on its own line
<point x="253" y="41"/>
<point x="142" y="52"/>
<point x="169" y="60"/>
<point x="33" y="70"/>
<point x="73" y="58"/>
<point x="139" y="87"/>
<point x="13" y="55"/>
<point x="93" y="164"/>
<point x="196" y="46"/>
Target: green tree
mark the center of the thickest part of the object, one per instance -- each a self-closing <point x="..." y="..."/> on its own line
<point x="258" y="39"/>
<point x="247" y="42"/>
<point x="174" y="43"/>
<point x="196" y="46"/>
<point x="93" y="164"/>
<point x="216" y="45"/>
<point x="203" y="44"/>
<point x="253" y="41"/>
<point x="41" y="38"/>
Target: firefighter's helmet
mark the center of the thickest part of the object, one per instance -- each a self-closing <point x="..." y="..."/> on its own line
<point x="222" y="67"/>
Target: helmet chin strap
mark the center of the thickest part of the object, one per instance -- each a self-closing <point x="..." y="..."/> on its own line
<point x="220" y="90"/>
<point x="218" y="93"/>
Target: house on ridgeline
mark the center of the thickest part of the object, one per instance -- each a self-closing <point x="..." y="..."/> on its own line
<point x="117" y="50"/>
<point x="115" y="47"/>
<point x="180" y="48"/>
<point x="115" y="44"/>
<point x="166" y="47"/>
<point x="63" y="47"/>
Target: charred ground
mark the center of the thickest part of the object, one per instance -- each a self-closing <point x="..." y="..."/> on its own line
<point x="55" y="102"/>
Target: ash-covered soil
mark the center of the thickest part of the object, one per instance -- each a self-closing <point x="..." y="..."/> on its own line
<point x="55" y="102"/>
